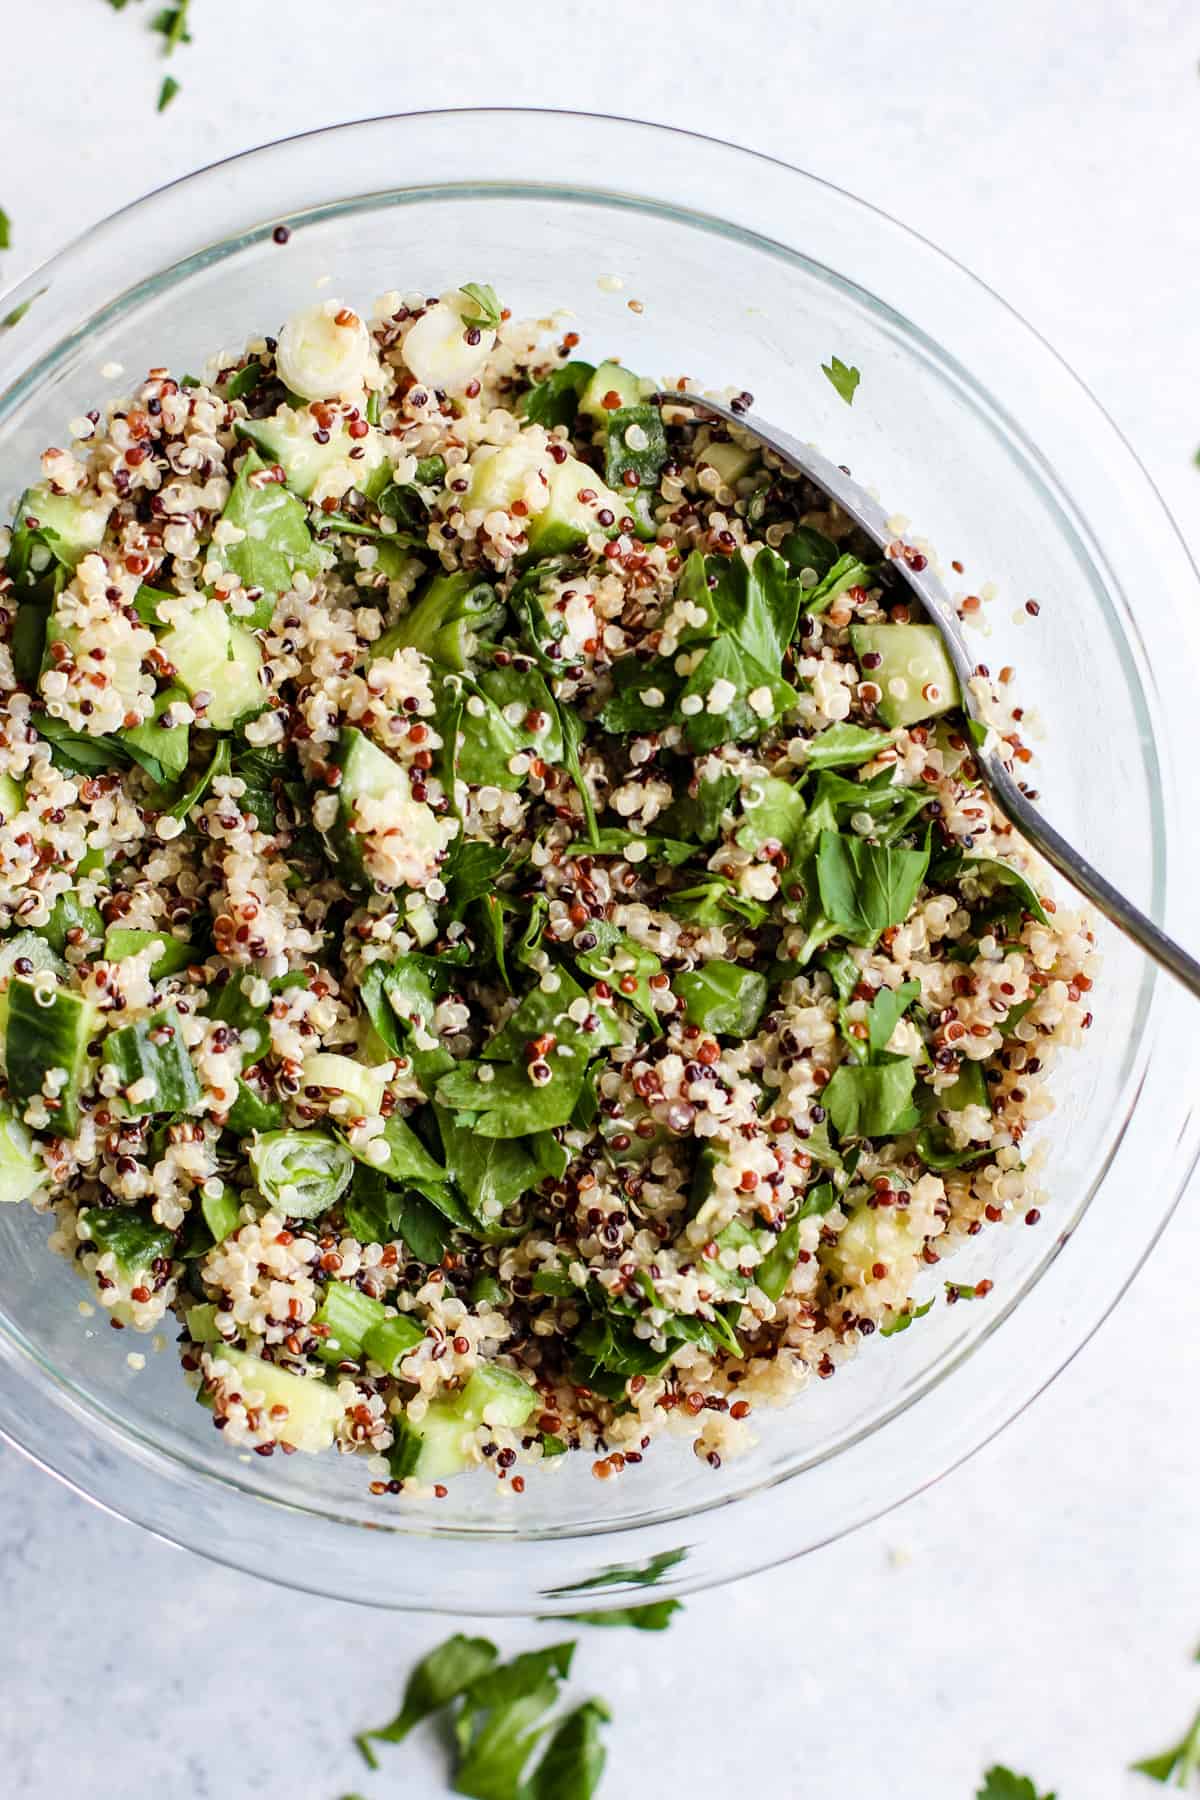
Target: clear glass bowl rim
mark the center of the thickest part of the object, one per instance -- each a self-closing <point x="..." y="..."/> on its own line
<point x="72" y="1464"/>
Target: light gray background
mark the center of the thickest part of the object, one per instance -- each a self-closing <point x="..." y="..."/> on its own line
<point x="1041" y="1605"/>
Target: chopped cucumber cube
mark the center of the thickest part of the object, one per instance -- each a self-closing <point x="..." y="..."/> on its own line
<point x="77" y="521"/>
<point x="135" y="1241"/>
<point x="368" y="773"/>
<point x="215" y="657"/>
<point x="610" y="387"/>
<point x="153" y="1066"/>
<point x="313" y="1410"/>
<point x="22" y="1171"/>
<point x="731" y="461"/>
<point x="914" y="673"/>
<point x="47" y="1034"/>
<point x="324" y="471"/>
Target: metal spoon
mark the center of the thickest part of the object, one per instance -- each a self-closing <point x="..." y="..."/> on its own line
<point x="871" y="518"/>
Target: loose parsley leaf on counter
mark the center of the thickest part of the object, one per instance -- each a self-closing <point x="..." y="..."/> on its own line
<point x="1001" y="1784"/>
<point x="1177" y="1765"/>
<point x="647" y="1574"/>
<point x="437" y="1679"/>
<point x="5" y="230"/>
<point x="844" y="379"/>
<point x="573" y="1763"/>
<point x="167" y="93"/>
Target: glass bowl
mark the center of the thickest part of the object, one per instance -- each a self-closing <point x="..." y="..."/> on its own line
<point x="746" y="271"/>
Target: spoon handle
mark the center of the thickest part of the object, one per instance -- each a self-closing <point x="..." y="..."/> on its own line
<point x="870" y="516"/>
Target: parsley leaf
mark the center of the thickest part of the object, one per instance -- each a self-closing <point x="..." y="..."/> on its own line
<point x="5" y="230"/>
<point x="487" y="318"/>
<point x="844" y="379"/>
<point x="1177" y="1765"/>
<point x="437" y="1679"/>
<point x="647" y="1574"/>
<point x="167" y="92"/>
<point x="655" y="1615"/>
<point x="902" y="1320"/>
<point x="872" y="1099"/>
<point x="555" y="401"/>
<point x="1001" y="1784"/>
<point x="17" y="313"/>
<point x="573" y="1764"/>
<point x="723" y="997"/>
<point x="867" y="887"/>
<point x="775" y="1270"/>
<point x="846" y="746"/>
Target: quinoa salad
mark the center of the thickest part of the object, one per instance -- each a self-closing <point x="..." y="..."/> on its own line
<point x="503" y="945"/>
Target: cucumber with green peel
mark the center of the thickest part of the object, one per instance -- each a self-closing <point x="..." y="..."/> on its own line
<point x="441" y="1443"/>
<point x="201" y="1322"/>
<point x="153" y="1066"/>
<point x="557" y="518"/>
<point x="609" y="382"/>
<point x="289" y="438"/>
<point x="121" y="664"/>
<point x="214" y="656"/>
<point x="354" y="1089"/>
<point x="446" y="622"/>
<point x="313" y="1409"/>
<point x="222" y="1213"/>
<point x="913" y="672"/>
<point x="347" y="1314"/>
<point x="78" y="522"/>
<point x="26" y="948"/>
<point x="731" y="461"/>
<point x="369" y="773"/>
<point x="496" y="1396"/>
<point x="121" y="941"/>
<point x="125" y="1232"/>
<point x="22" y="1172"/>
<point x="872" y="1235"/>
<point x="439" y="1446"/>
<point x="48" y="1030"/>
<point x="566" y="519"/>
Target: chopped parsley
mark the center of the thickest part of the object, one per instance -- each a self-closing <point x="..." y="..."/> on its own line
<point x="484" y="298"/>
<point x="1175" y="1767"/>
<point x="167" y="92"/>
<point x="500" y="1721"/>
<point x="5" y="230"/>
<point x="844" y="379"/>
<point x="1001" y="1784"/>
<point x="18" y="312"/>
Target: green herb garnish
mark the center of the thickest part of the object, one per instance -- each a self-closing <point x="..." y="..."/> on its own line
<point x="843" y="378"/>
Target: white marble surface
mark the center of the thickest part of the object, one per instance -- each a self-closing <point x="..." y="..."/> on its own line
<point x="1042" y="1604"/>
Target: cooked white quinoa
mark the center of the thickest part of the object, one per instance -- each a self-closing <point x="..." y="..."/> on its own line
<point x="428" y="606"/>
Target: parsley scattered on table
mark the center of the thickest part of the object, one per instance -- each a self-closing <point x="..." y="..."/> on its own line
<point x="844" y="379"/>
<point x="1001" y="1784"/>
<point x="5" y="230"/>
<point x="1175" y="1767"/>
<point x="167" y="92"/>
<point x="500" y="1721"/>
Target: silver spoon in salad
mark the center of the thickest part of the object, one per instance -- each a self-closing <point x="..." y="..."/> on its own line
<point x="870" y="517"/>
